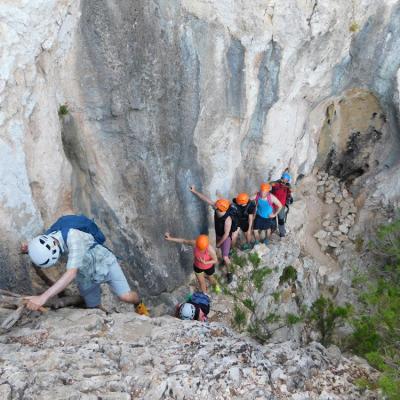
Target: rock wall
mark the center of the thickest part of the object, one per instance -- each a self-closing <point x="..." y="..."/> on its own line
<point x="161" y="95"/>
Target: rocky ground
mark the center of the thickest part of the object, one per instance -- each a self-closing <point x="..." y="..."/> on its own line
<point x="86" y="354"/>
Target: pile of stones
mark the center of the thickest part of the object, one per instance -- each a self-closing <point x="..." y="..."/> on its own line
<point x="335" y="225"/>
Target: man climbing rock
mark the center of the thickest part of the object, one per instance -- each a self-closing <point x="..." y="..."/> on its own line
<point x="204" y="260"/>
<point x="265" y="215"/>
<point x="282" y="191"/>
<point x="89" y="262"/>
<point x="225" y="222"/>
<point x="245" y="210"/>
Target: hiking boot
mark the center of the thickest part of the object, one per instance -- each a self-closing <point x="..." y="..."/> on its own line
<point x="217" y="289"/>
<point x="229" y="277"/>
<point x="142" y="309"/>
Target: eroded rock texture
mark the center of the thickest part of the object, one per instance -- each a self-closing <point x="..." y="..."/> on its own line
<point x="161" y="95"/>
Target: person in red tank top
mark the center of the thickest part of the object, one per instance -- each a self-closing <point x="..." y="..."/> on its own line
<point x="204" y="260"/>
<point x="282" y="191"/>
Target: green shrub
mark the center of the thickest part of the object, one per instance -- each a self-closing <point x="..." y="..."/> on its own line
<point x="240" y="261"/>
<point x="276" y="296"/>
<point x="271" y="318"/>
<point x="292" y="319"/>
<point x="254" y="259"/>
<point x="376" y="335"/>
<point x="325" y="314"/>
<point x="289" y="274"/>
<point x="259" y="332"/>
<point x="249" y="304"/>
<point x="258" y="276"/>
<point x="390" y="384"/>
<point x="239" y="317"/>
<point x="63" y="110"/>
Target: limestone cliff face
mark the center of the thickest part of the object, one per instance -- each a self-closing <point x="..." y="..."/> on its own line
<point x="220" y="94"/>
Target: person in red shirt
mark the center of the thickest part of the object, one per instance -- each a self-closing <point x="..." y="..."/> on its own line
<point x="204" y="260"/>
<point x="282" y="191"/>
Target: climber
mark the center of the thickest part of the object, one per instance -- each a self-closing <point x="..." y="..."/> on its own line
<point x="245" y="210"/>
<point x="265" y="216"/>
<point x="196" y="306"/>
<point x="225" y="223"/>
<point x="282" y="191"/>
<point x="204" y="260"/>
<point x="89" y="261"/>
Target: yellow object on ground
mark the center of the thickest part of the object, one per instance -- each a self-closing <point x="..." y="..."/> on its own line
<point x="142" y="309"/>
<point x="217" y="289"/>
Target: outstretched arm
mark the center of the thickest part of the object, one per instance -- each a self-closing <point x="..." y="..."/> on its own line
<point x="201" y="196"/>
<point x="35" y="302"/>
<point x="168" y="237"/>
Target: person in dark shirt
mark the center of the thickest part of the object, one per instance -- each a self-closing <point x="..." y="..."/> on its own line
<point x="246" y="209"/>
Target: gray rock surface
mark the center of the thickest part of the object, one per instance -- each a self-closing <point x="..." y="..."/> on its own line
<point x="161" y="95"/>
<point x="83" y="354"/>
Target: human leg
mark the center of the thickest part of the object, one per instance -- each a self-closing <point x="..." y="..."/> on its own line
<point x="200" y="278"/>
<point x="281" y="222"/>
<point x="235" y="236"/>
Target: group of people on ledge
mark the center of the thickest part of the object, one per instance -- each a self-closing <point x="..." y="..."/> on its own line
<point x="91" y="263"/>
<point x="254" y="216"/>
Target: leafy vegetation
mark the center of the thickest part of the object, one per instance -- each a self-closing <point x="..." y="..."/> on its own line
<point x="258" y="331"/>
<point x="258" y="277"/>
<point x="63" y="110"/>
<point x="254" y="259"/>
<point x="377" y="327"/>
<point x="293" y="319"/>
<point x="239" y="317"/>
<point x="240" y="261"/>
<point x="272" y="317"/>
<point x="276" y="296"/>
<point x="289" y="274"/>
<point x="249" y="304"/>
<point x="325" y="315"/>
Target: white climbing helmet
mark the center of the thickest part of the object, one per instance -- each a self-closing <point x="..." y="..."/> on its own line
<point x="187" y="311"/>
<point x="44" y="251"/>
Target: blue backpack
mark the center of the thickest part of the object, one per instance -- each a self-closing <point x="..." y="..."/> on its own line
<point x="79" y="222"/>
<point x="201" y="300"/>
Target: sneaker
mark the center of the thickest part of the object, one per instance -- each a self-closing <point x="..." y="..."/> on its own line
<point x="245" y="247"/>
<point x="256" y="243"/>
<point x="229" y="277"/>
<point x="217" y="289"/>
<point x="266" y="241"/>
<point x="142" y="309"/>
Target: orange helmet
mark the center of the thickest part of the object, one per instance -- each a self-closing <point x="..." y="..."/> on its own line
<point x="202" y="242"/>
<point x="242" y="199"/>
<point x="265" y="187"/>
<point x="222" y="204"/>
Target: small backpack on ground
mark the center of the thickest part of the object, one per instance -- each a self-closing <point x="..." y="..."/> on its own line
<point x="79" y="222"/>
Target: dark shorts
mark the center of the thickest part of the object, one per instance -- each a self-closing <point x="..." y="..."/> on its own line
<point x="263" y="224"/>
<point x="209" y="271"/>
<point x="244" y="225"/>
